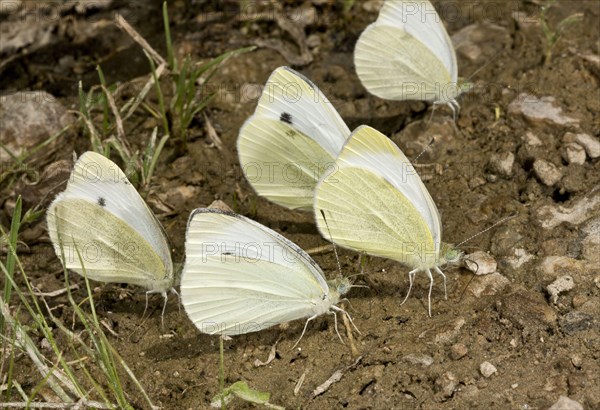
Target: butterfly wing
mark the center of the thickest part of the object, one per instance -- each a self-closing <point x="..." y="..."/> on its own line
<point x="292" y="137"/>
<point x="240" y="276"/>
<point x="407" y="54"/>
<point x="115" y="205"/>
<point x="375" y="202"/>
<point x="95" y="241"/>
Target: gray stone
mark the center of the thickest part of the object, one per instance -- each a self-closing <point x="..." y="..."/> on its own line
<point x="487" y="369"/>
<point x="560" y="285"/>
<point x="540" y="110"/>
<point x="418" y="359"/>
<point x="576" y="321"/>
<point x="488" y="285"/>
<point x="547" y="172"/>
<point x="446" y="384"/>
<point x="551" y="216"/>
<point x="458" y="351"/>
<point x="28" y="119"/>
<point x="590" y="244"/>
<point x="502" y="164"/>
<point x="565" y="403"/>
<point x="573" y="153"/>
<point x="478" y="41"/>
<point x="480" y="263"/>
<point x="590" y="144"/>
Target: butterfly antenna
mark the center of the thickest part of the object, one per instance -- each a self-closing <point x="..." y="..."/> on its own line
<point x="483" y="66"/>
<point x="487" y="229"/>
<point x="424" y="150"/>
<point x="334" y="247"/>
<point x="475" y="262"/>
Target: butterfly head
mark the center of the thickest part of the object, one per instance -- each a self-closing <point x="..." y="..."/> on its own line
<point x="450" y="254"/>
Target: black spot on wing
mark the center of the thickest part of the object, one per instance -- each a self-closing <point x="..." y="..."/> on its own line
<point x="101" y="202"/>
<point x="286" y="117"/>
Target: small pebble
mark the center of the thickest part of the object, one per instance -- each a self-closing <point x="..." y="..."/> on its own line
<point x="502" y="164"/>
<point x="560" y="285"/>
<point x="538" y="111"/>
<point x="576" y="360"/>
<point x="514" y="385"/>
<point x="576" y="321"/>
<point x="547" y="172"/>
<point x="488" y="285"/>
<point x="419" y="359"/>
<point x="518" y="258"/>
<point x="446" y="384"/>
<point x="481" y="263"/>
<point x="458" y="351"/>
<point x="591" y="144"/>
<point x="579" y="300"/>
<point x="565" y="403"/>
<point x="573" y="153"/>
<point x="487" y="369"/>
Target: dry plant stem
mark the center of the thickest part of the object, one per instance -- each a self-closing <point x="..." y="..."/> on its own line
<point x="118" y="121"/>
<point x="335" y="377"/>
<point x="38" y="405"/>
<point x="125" y="26"/>
<point x="57" y="292"/>
<point x="353" y="348"/>
<point x="147" y="87"/>
<point x="212" y="133"/>
<point x="320" y="249"/>
<point x="53" y="376"/>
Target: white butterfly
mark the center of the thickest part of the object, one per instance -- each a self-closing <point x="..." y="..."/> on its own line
<point x="101" y="227"/>
<point x="240" y="277"/>
<point x="294" y="136"/>
<point x="376" y="203"/>
<point x="407" y="55"/>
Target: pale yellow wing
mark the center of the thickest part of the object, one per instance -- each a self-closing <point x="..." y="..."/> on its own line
<point x="110" y="250"/>
<point x="407" y="54"/>
<point x="100" y="207"/>
<point x="375" y="202"/>
<point x="294" y="135"/>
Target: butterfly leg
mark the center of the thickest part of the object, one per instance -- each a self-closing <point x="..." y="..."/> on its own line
<point x="162" y="315"/>
<point x="304" y="330"/>
<point x="411" y="278"/>
<point x="336" y="326"/>
<point x="178" y="298"/>
<point x="146" y="307"/>
<point x="348" y="316"/>
<point x="430" y="288"/>
<point x="438" y="270"/>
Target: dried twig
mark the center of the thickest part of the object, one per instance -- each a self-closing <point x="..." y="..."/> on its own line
<point x="335" y="377"/>
<point x="212" y="133"/>
<point x="353" y="348"/>
<point x="272" y="354"/>
<point x="125" y="26"/>
<point x="57" y="292"/>
<point x="320" y="249"/>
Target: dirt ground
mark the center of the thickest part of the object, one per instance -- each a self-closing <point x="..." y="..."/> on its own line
<point x="541" y="347"/>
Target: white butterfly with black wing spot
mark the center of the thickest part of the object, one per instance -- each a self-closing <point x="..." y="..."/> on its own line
<point x="406" y="54"/>
<point x="375" y="202"/>
<point x="294" y="135"/>
<point x="240" y="277"/>
<point x="102" y="222"/>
